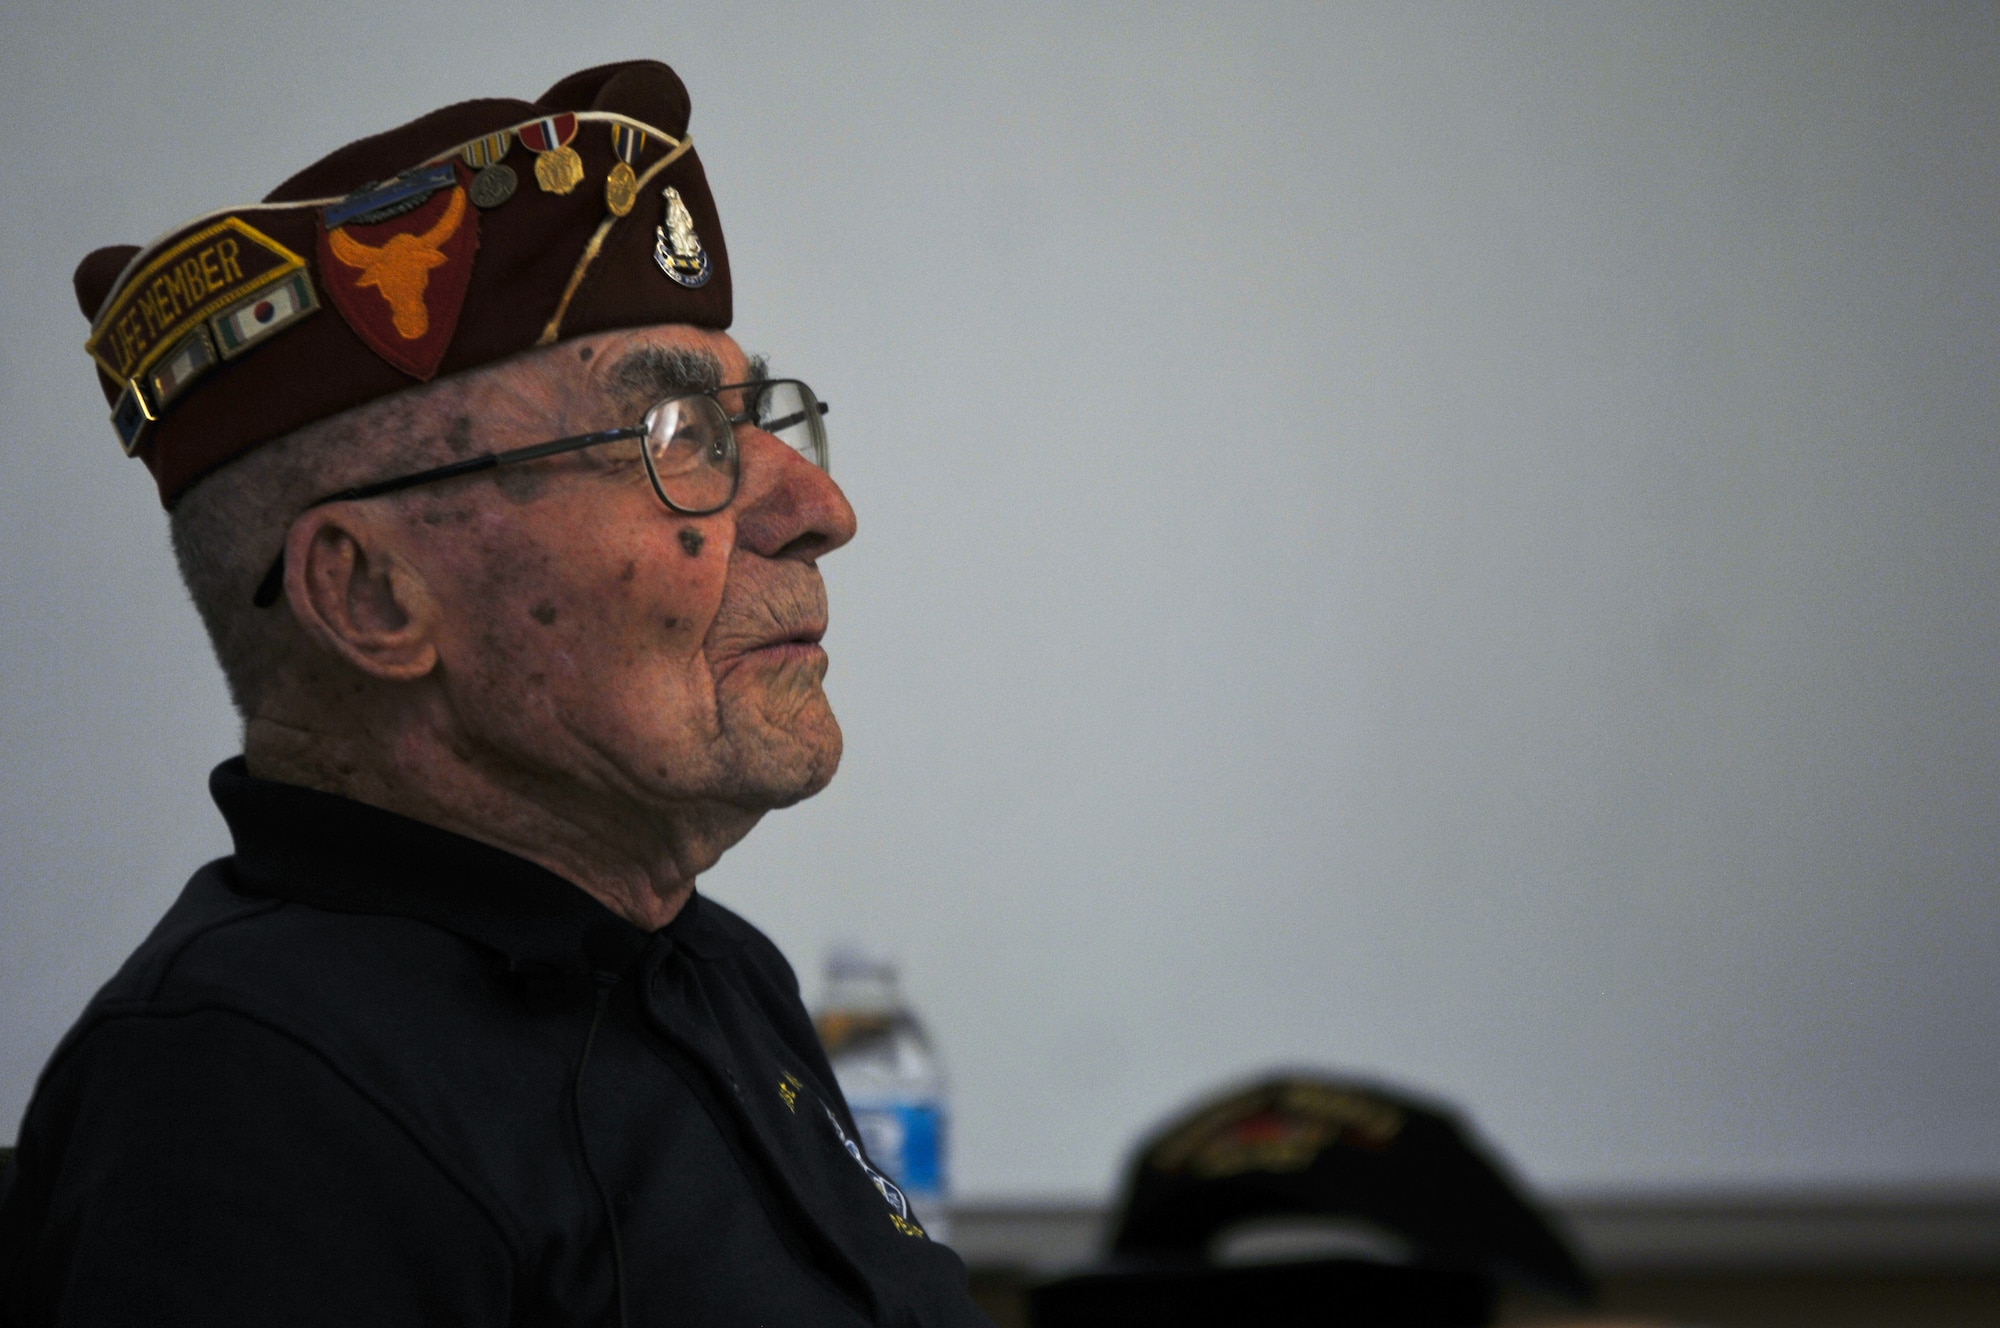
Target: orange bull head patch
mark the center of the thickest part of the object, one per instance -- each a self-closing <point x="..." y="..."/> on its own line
<point x="400" y="280"/>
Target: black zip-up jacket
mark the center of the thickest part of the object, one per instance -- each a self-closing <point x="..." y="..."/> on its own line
<point x="367" y="1071"/>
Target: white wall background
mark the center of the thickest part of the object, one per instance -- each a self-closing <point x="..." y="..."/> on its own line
<point x="1458" y="543"/>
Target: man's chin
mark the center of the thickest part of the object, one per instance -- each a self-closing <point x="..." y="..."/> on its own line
<point x="807" y="768"/>
<point x="783" y="758"/>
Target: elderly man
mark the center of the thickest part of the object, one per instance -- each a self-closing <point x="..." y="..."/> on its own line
<point x="509" y="554"/>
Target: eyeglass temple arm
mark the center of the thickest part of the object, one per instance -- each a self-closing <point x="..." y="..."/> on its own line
<point x="486" y="461"/>
<point x="772" y="426"/>
<point x="274" y="578"/>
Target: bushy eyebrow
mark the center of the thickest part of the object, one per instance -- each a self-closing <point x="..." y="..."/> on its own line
<point x="651" y="372"/>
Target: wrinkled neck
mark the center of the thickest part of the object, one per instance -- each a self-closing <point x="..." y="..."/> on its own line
<point x="412" y="761"/>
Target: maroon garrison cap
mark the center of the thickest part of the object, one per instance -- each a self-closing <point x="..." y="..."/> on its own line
<point x="465" y="236"/>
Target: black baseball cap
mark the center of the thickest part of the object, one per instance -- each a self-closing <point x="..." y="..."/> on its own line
<point x="1305" y="1198"/>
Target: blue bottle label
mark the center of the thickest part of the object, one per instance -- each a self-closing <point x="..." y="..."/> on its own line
<point x="906" y="1139"/>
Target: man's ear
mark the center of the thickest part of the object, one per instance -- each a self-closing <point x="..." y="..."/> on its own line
<point x="352" y="593"/>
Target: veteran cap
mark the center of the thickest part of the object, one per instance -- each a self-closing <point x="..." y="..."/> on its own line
<point x="1403" y="1218"/>
<point x="465" y="236"/>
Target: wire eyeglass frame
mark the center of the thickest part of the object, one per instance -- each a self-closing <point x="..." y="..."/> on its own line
<point x="812" y="413"/>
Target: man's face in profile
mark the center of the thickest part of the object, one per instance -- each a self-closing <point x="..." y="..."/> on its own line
<point x="594" y="644"/>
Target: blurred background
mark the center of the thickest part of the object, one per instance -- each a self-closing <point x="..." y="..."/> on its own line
<point x="1455" y="543"/>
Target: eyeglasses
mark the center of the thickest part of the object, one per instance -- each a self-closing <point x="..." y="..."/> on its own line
<point x="689" y="446"/>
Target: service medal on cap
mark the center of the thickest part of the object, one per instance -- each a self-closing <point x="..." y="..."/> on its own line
<point x="676" y="248"/>
<point x="495" y="183"/>
<point x="621" y="187"/>
<point x="557" y="167"/>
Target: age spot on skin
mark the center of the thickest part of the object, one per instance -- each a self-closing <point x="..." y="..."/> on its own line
<point x="631" y="570"/>
<point x="459" y="437"/>
<point x="544" y="613"/>
<point x="691" y="541"/>
<point x="585" y="354"/>
<point x="520" y="484"/>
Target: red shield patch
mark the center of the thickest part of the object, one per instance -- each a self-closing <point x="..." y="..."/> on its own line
<point x="401" y="282"/>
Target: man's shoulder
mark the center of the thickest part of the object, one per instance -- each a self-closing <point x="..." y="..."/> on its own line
<point x="402" y="1020"/>
<point x="205" y="915"/>
<point x="396" y="1007"/>
<point x="171" y="1137"/>
<point x="220" y="946"/>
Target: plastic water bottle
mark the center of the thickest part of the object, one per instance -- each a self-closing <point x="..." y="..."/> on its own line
<point x="891" y="1078"/>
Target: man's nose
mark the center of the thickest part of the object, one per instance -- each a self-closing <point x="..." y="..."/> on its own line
<point x="786" y="507"/>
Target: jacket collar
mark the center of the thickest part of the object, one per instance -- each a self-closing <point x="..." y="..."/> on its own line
<point x="334" y="853"/>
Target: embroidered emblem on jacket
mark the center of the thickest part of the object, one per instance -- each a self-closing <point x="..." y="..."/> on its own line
<point x="892" y="1194"/>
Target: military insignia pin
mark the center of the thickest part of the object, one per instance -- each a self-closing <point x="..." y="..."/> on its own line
<point x="495" y="183"/>
<point x="376" y="203"/>
<point x="557" y="167"/>
<point x="398" y="272"/>
<point x="621" y="187"/>
<point x="676" y="248"/>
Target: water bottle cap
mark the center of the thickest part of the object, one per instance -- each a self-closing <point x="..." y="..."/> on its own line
<point x="847" y="961"/>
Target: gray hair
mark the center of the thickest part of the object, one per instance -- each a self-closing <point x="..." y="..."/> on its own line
<point x="231" y="523"/>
